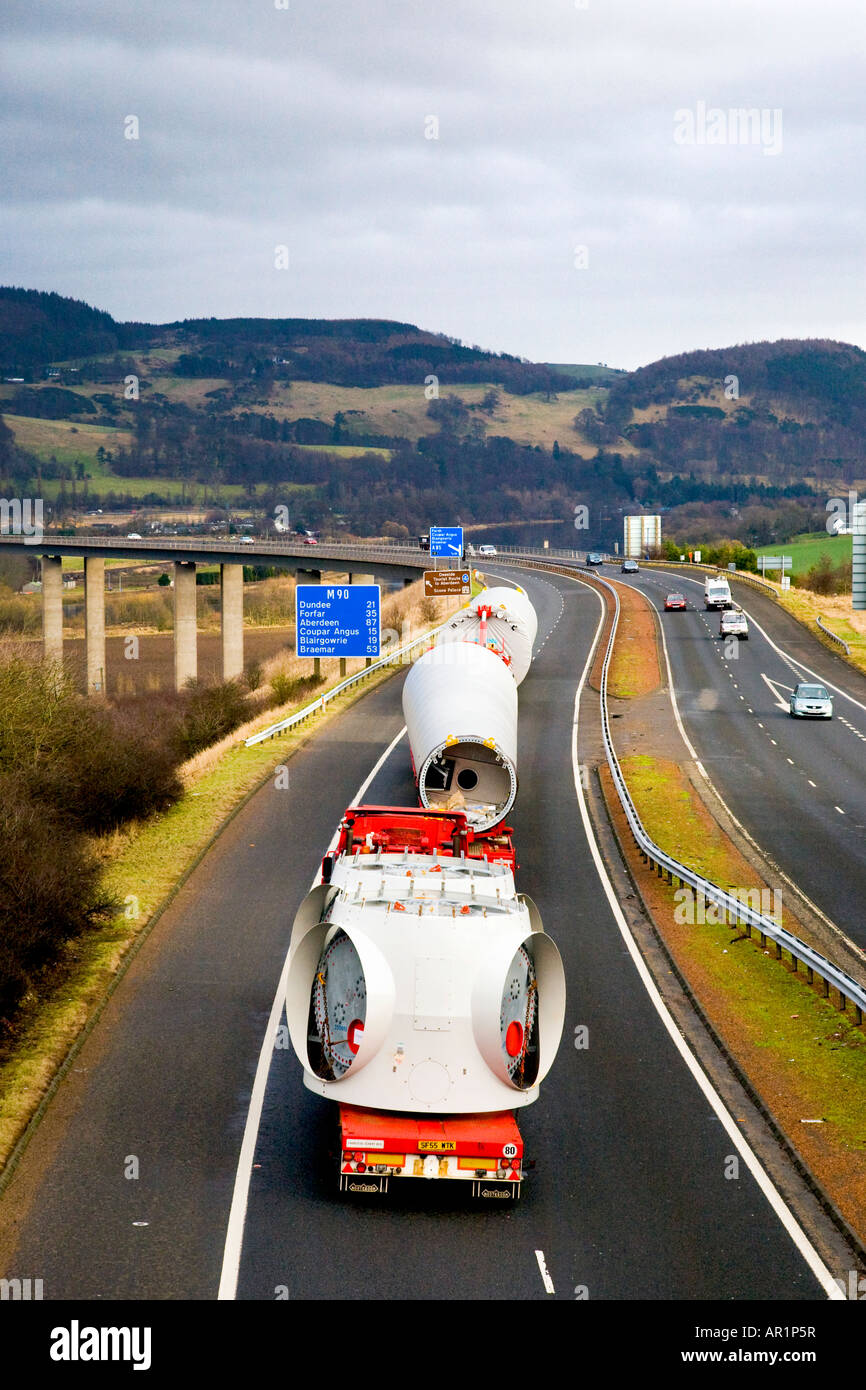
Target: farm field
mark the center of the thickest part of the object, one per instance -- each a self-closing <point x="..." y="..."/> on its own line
<point x="154" y="669"/>
<point x="70" y="444"/>
<point x="389" y="410"/>
<point x="402" y="410"/>
<point x="806" y="550"/>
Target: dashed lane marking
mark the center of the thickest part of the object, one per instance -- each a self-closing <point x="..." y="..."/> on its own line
<point x="545" y="1277"/>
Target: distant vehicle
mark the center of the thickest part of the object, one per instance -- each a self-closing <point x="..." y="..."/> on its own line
<point x="310" y="540"/>
<point x="424" y="542"/>
<point x="487" y="550"/>
<point x="247" y="540"/>
<point x="733" y="624"/>
<point x="629" y="567"/>
<point x="594" y="558"/>
<point x="810" y="701"/>
<point x="717" y="593"/>
<point x="674" y="601"/>
<point x="134" y="536"/>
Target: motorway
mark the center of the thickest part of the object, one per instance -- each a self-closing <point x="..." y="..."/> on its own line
<point x="797" y="785"/>
<point x="629" y="1199"/>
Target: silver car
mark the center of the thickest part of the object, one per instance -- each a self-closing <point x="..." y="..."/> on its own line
<point x="810" y="701"/>
<point x="733" y="624"/>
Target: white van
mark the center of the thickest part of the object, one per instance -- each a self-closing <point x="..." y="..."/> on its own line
<point x="717" y="592"/>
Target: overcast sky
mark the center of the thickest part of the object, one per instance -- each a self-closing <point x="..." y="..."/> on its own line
<point x="306" y="124"/>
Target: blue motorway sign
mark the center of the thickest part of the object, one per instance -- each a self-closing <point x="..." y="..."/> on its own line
<point x="333" y="620"/>
<point x="446" y="540"/>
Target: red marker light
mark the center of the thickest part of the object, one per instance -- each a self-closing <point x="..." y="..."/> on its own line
<point x="514" y="1039"/>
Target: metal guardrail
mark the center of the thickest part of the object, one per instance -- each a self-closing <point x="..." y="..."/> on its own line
<point x="768" y="929"/>
<point x="835" y="636"/>
<point x="283" y="725"/>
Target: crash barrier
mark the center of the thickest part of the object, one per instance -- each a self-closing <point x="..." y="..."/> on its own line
<point x="835" y="636"/>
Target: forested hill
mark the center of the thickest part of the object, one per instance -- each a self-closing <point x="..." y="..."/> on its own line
<point x="39" y="329"/>
<point x="744" y="442"/>
<point x="797" y="371"/>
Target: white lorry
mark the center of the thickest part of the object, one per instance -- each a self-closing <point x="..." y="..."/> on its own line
<point x="717" y="592"/>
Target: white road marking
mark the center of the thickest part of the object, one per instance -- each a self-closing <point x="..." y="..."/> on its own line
<point x="237" y="1215"/>
<point x="545" y="1277"/>
<point x="780" y="701"/>
<point x="839" y="809"/>
<point x="811" y="783"/>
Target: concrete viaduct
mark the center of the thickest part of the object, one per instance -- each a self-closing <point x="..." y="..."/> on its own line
<point x="363" y="563"/>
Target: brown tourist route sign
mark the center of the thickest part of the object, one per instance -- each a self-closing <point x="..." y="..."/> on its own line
<point x="447" y="583"/>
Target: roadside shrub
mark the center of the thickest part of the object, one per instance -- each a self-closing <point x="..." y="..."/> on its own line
<point x="286" y="687"/>
<point x="253" y="675"/>
<point x="20" y="615"/>
<point x="49" y="891"/>
<point x="93" y="765"/>
<point x="827" y="578"/>
<point x="210" y="713"/>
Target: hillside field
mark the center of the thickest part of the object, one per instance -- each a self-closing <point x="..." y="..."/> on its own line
<point x="806" y="551"/>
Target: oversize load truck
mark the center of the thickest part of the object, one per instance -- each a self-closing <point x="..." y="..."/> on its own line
<point x="425" y="998"/>
<point x="717" y="592"/>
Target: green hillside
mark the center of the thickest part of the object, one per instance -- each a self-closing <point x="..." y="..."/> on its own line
<point x="806" y="550"/>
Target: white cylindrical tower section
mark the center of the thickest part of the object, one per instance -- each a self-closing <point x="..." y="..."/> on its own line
<point x="460" y="707"/>
<point x="507" y="620"/>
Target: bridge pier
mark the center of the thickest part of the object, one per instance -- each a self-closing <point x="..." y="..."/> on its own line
<point x="94" y="623"/>
<point x="52" y="607"/>
<point x="232" y="620"/>
<point x="185" y="634"/>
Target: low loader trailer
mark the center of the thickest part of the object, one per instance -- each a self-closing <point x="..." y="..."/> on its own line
<point x="425" y="998"/>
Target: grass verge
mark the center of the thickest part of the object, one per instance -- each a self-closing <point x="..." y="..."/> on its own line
<point x="634" y="669"/>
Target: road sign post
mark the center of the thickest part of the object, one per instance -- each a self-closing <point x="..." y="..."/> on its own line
<point x="342" y="621"/>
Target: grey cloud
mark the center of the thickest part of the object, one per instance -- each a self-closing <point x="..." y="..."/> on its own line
<point x="260" y="126"/>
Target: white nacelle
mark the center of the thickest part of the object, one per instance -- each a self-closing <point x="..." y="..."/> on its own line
<point x="423" y="984"/>
<point x="511" y="626"/>
<point x="460" y="707"/>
